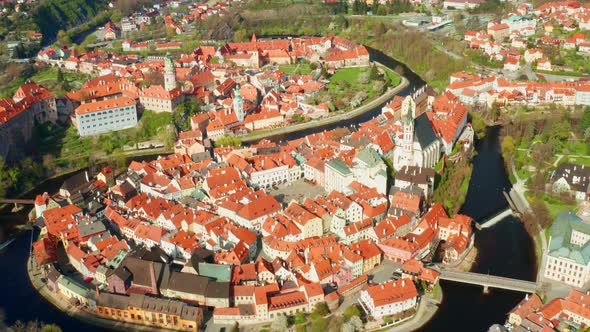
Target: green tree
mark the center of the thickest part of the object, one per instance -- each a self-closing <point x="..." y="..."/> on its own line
<point x="374" y="73"/>
<point x="351" y="311"/>
<point x="541" y="212"/>
<point x="335" y="323"/>
<point x="340" y="21"/>
<point x="558" y="132"/>
<point x="585" y="120"/>
<point x="300" y="318"/>
<point x="508" y="149"/>
<point x="228" y="141"/>
<point x="4" y="178"/>
<point x="390" y="171"/>
<point x="321" y="309"/>
<point x="60" y="76"/>
<point x="50" y="328"/>
<point x="241" y="35"/>
<point x="319" y="324"/>
<point x="279" y="324"/>
<point x="479" y="125"/>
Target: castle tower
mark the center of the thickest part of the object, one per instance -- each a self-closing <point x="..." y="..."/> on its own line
<point x="238" y="104"/>
<point x="408" y="112"/>
<point x="169" y="73"/>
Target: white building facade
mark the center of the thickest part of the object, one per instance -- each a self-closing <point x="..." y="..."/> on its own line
<point x="105" y="116"/>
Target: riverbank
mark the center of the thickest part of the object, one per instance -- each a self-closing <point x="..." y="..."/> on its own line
<point x="128" y="155"/>
<point x="466" y="263"/>
<point x="75" y="312"/>
<point x="389" y="94"/>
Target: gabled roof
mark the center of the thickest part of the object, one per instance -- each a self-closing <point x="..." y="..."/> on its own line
<point x="424" y="132"/>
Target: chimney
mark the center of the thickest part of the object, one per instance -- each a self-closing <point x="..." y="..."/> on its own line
<point x="153" y="279"/>
<point x="87" y="175"/>
<point x="97" y="292"/>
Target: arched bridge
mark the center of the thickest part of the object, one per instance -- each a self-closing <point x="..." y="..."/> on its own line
<point x="489" y="281"/>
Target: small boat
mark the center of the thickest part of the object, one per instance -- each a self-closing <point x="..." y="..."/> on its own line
<point x="6" y="243"/>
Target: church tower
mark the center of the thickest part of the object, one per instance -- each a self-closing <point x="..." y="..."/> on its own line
<point x="169" y="73"/>
<point x="238" y="104"/>
<point x="408" y="111"/>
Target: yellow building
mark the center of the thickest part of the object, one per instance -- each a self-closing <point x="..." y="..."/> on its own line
<point x="151" y="311"/>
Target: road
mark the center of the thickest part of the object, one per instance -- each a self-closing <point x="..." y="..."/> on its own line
<point x="76" y="312"/>
<point x="519" y="188"/>
<point x="426" y="310"/>
<point x="449" y="53"/>
<point x="331" y="119"/>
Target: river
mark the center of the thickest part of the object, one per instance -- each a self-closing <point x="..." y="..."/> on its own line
<point x="504" y="250"/>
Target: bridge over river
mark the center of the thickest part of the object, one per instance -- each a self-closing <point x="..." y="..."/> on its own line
<point x="17" y="201"/>
<point x="490" y="281"/>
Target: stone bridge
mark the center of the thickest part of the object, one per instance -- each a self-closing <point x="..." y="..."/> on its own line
<point x="490" y="281"/>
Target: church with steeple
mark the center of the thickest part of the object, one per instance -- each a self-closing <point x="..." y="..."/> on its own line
<point x="165" y="98"/>
<point x="418" y="144"/>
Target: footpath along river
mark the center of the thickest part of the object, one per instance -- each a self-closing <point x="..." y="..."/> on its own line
<point x="504" y="250"/>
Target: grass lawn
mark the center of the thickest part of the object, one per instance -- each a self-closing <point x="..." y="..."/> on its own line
<point x="63" y="143"/>
<point x="68" y="148"/>
<point x="48" y="78"/>
<point x="555" y="205"/>
<point x="393" y="76"/>
<point x="350" y="75"/>
<point x="349" y="88"/>
<point x="296" y="69"/>
<point x="521" y="160"/>
<point x="439" y="165"/>
<point x="577" y="160"/>
<point x="577" y="147"/>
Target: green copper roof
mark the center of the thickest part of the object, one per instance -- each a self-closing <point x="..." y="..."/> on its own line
<point x="168" y="63"/>
<point x="369" y="157"/>
<point x="561" y="233"/>
<point x="119" y="257"/>
<point x="299" y="158"/>
<point x="339" y="166"/>
<point x="219" y="272"/>
<point x="515" y="18"/>
<point x="72" y="285"/>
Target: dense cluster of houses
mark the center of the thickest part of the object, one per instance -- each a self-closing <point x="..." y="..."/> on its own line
<point x="571" y="312"/>
<point x="192" y="228"/>
<point x="236" y="100"/>
<point x="475" y="90"/>
<point x="172" y="19"/>
<point x="507" y="39"/>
